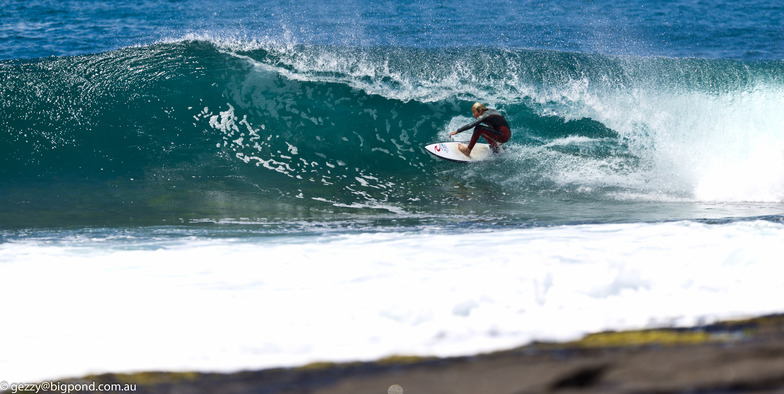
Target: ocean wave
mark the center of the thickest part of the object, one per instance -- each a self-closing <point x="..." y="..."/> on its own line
<point x="344" y="127"/>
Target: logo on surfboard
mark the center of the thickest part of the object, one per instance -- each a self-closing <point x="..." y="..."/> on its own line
<point x="441" y="147"/>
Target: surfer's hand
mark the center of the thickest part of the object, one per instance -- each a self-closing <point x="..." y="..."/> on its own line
<point x="452" y="134"/>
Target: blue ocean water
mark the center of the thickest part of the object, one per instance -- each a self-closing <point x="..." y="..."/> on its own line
<point x="236" y="156"/>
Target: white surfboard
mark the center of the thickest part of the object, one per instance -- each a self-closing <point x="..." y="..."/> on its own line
<point x="448" y="151"/>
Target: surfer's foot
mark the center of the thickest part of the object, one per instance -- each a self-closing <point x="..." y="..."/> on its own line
<point x="464" y="149"/>
<point x="497" y="148"/>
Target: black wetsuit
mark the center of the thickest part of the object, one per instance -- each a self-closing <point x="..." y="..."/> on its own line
<point x="492" y="126"/>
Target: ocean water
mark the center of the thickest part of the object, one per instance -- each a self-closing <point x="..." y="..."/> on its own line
<point x="231" y="185"/>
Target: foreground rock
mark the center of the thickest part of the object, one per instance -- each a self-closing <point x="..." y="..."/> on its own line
<point x="741" y="356"/>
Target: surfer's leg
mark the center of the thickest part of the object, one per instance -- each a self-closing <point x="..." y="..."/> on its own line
<point x="493" y="143"/>
<point x="490" y="135"/>
<point x="496" y="138"/>
<point x="474" y="138"/>
<point x="481" y="131"/>
<point x="504" y="134"/>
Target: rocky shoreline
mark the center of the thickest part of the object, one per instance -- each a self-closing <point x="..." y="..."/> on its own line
<point x="726" y="357"/>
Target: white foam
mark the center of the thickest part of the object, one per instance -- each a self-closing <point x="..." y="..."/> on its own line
<point x="83" y="306"/>
<point x="723" y="145"/>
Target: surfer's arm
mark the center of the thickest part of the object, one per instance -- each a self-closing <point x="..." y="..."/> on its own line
<point x="470" y="125"/>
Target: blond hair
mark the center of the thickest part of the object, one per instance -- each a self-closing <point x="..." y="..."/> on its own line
<point x="479" y="107"/>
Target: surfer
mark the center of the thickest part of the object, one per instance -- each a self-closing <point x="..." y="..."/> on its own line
<point x="489" y="124"/>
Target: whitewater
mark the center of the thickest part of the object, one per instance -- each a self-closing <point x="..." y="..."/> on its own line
<point x="162" y="303"/>
<point x="245" y="186"/>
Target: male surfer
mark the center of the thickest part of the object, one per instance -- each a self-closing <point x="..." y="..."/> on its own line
<point x="489" y="124"/>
